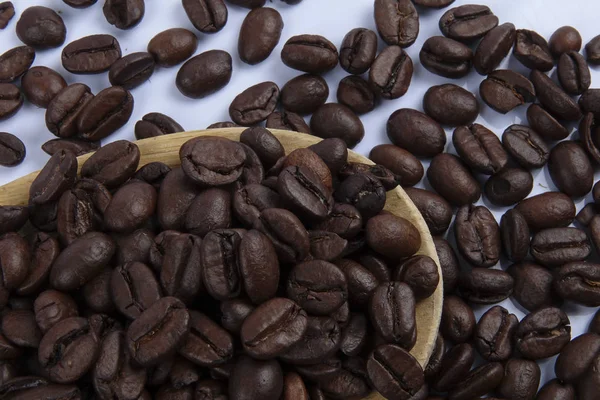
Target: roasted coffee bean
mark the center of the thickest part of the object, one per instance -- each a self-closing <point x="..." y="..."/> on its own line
<point x="446" y="57"/>
<point x="321" y="340"/>
<point x="416" y="132"/>
<point x="134" y="288"/>
<point x="210" y="210"/>
<point x="588" y="102"/>
<point x="434" y="3"/>
<point x="108" y="111"/>
<point x="135" y="247"/>
<point x="113" y="164"/>
<point x="156" y="124"/>
<point x="555" y="390"/>
<point x="564" y="40"/>
<point x="132" y="70"/>
<point x="208" y="16"/>
<point x="384" y="231"/>
<point x="220" y="264"/>
<point x="287" y="233"/>
<point x="358" y="50"/>
<point x="124" y="14"/>
<point x="547" y="210"/>
<point x="287" y="121"/>
<point x="326" y="246"/>
<point x="11" y="100"/>
<point x="455" y="366"/>
<point x="543" y="333"/>
<point x="468" y="22"/>
<point x="545" y="124"/>
<point x="392" y="313"/>
<point x="532" y="50"/>
<point x="554" y="98"/>
<point x="273" y="328"/>
<point x="588" y="130"/>
<point x="258" y="266"/>
<point x="158" y="249"/>
<point x="592" y="50"/>
<point x="310" y="53"/>
<point x="436" y="211"/>
<point x="364" y="192"/>
<point x="333" y="120"/>
<point x="458" y="321"/>
<point x="51" y="307"/>
<point x="333" y="152"/>
<point x="81" y="261"/>
<point x="515" y="235"/>
<point x="320" y="372"/>
<point x="9" y="350"/>
<point x="234" y="313"/>
<point x="12" y="218"/>
<point x="587" y="213"/>
<point x="212" y="161"/>
<point x="41" y="84"/>
<point x="344" y="220"/>
<point x="420" y="273"/>
<point x="397" y="22"/>
<point x="570" y="169"/>
<point x="76" y="216"/>
<point x="494" y="334"/>
<point x="207" y="344"/>
<point x="304" y="94"/>
<point x="64" y="109"/>
<point x="91" y="54"/>
<point x="259" y="34"/>
<point x="204" y="74"/>
<point x="361" y="281"/>
<point x="41" y="27"/>
<point x="508" y="186"/>
<point x="7" y="12"/>
<point x="480" y="381"/>
<point x="12" y="150"/>
<point x="68" y="350"/>
<point x="294" y="388"/>
<point x="354" y="92"/>
<point x="577" y="357"/>
<point x="253" y="379"/>
<point x="43" y="216"/>
<point x="302" y="190"/>
<point x="264" y="143"/>
<point x="254" y="104"/>
<point x="80" y="3"/>
<point x="485" y="286"/>
<point x="57" y="176"/>
<point x="504" y="90"/>
<point x="407" y="169"/>
<point x="434" y="364"/>
<point x="248" y="3"/>
<point x="250" y="200"/>
<point x="377" y="266"/>
<point x="391" y="72"/>
<point x="354" y="335"/>
<point x="578" y="282"/>
<point x="20" y="327"/>
<point x="98" y="193"/>
<point x="521" y="379"/>
<point x="173" y="46"/>
<point x="480" y="148"/>
<point x="450" y="105"/>
<point x="394" y="372"/>
<point x="557" y="246"/>
<point x="493" y="48"/>
<point x="15" y="62"/>
<point x="451" y="178"/>
<point x="525" y="146"/>
<point x="573" y="73"/>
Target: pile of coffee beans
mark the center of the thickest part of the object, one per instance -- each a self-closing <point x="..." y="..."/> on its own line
<point x="248" y="274"/>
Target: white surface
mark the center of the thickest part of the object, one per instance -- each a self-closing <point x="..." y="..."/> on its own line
<point x="331" y="18"/>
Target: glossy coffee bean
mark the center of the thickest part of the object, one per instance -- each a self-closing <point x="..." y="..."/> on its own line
<point x="588" y="102"/>
<point x="485" y="286"/>
<point x="551" y="96"/>
<point x="480" y="148"/>
<point x="76" y="216"/>
<point x="108" y="111"/>
<point x="204" y="74"/>
<point x="44" y="250"/>
<point x="574" y="73"/>
<point x="557" y="246"/>
<point x="515" y="235"/>
<point x="586" y="214"/>
<point x="51" y="307"/>
<point x="334" y="120"/>
<point x="477" y="235"/>
<point x="480" y="381"/>
<point x="416" y="132"/>
<point x="132" y="70"/>
<point x="304" y="94"/>
<point x="259" y="34"/>
<point x="288" y="121"/>
<point x="361" y="281"/>
<point x="310" y="53"/>
<point x="588" y="128"/>
<point x="385" y="230"/>
<point x="12" y="218"/>
<point x="458" y="321"/>
<point x="521" y="379"/>
<point x="450" y="105"/>
<point x="494" y="334"/>
<point x="91" y="54"/>
<point x="156" y="124"/>
<point x="320" y="341"/>
<point x="203" y="159"/>
<point x="592" y="49"/>
<point x="57" y="176"/>
<point x="468" y="22"/>
<point x="564" y="40"/>
<point x="493" y="48"/>
<point x="134" y="288"/>
<point x="525" y="146"/>
<point x="208" y="16"/>
<point x="547" y="210"/>
<point x="392" y="313"/>
<point x="41" y="27"/>
<point x="451" y="178"/>
<point x="41" y="84"/>
<point x="113" y="164"/>
<point x="11" y="100"/>
<point x="504" y="90"/>
<point x="571" y="169"/>
<point x="259" y="267"/>
<point x="7" y="12"/>
<point x="455" y="365"/>
<point x="207" y="344"/>
<point x="124" y="14"/>
<point x="508" y="186"/>
<point x="20" y="327"/>
<point x="397" y="22"/>
<point x="135" y="247"/>
<point x="446" y="57"/>
<point x="220" y="264"/>
<point x="387" y="364"/>
<point x="543" y="333"/>
<point x="63" y="110"/>
<point x="254" y="104"/>
<point x="555" y="390"/>
<point x="436" y="211"/>
<point x="12" y="150"/>
<point x="391" y="72"/>
<point x="355" y="92"/>
<point x="576" y="357"/>
<point x="15" y="62"/>
<point x="325" y="280"/>
<point x="172" y="46"/>
<point x="577" y="281"/>
<point x="253" y="379"/>
<point x="407" y="169"/>
<point x="302" y="191"/>
<point x="358" y="50"/>
<point x="287" y="233"/>
<point x="545" y="124"/>
<point x="532" y="50"/>
<point x="420" y="273"/>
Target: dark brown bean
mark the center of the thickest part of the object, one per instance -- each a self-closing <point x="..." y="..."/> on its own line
<point x="515" y="235"/>
<point x="334" y="120"/>
<point x="570" y="169"/>
<point x="259" y="34"/>
<point x="533" y="285"/>
<point x="64" y="109"/>
<point x="480" y="148"/>
<point x="41" y="84"/>
<point x="91" y="54"/>
<point x="173" y="46"/>
<point x="493" y="48"/>
<point x="310" y="53"/>
<point x="467" y="22"/>
<point x="532" y="50"/>
<point x="132" y="70"/>
<point x="41" y="27"/>
<point x="204" y="74"/>
<point x="12" y="150"/>
<point x="436" y="211"/>
<point x="391" y="72"/>
<point x="450" y="177"/>
<point x="504" y="90"/>
<point x="450" y="105"/>
<point x="15" y="62"/>
<point x="508" y="186"/>
<point x="208" y="16"/>
<point x="304" y="94"/>
<point x="545" y="124"/>
<point x="446" y="57"/>
<point x="113" y="164"/>
<point x="547" y="210"/>
<point x="525" y="146"/>
<point x="254" y="104"/>
<point x="416" y="132"/>
<point x="358" y="50"/>
<point x="108" y="111"/>
<point x="397" y="22"/>
<point x="57" y="176"/>
<point x="407" y="168"/>
<point x="554" y="98"/>
<point x="573" y="73"/>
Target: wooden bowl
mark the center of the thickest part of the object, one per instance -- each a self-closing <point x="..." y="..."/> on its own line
<point x="166" y="149"/>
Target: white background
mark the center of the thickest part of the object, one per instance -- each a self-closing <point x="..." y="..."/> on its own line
<point x="330" y="18"/>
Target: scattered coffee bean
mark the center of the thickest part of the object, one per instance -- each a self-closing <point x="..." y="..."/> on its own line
<point x="172" y="46"/>
<point x="588" y="129"/>
<point x="533" y="285"/>
<point x="333" y="120"/>
<point x="304" y="94"/>
<point x="254" y="104"/>
<point x="554" y="98"/>
<point x="91" y="54"/>
<point x="446" y="57"/>
<point x="557" y="246"/>
<point x="543" y="333"/>
<point x="508" y="186"/>
<point x="391" y="72"/>
<point x="532" y="51"/>
<point x="480" y="381"/>
<point x="11" y="100"/>
<point x="394" y="372"/>
<point x="480" y="148"/>
<point x="592" y="49"/>
<point x="41" y="27"/>
<point x="570" y="169"/>
<point x="310" y="53"/>
<point x="485" y="286"/>
<point x="493" y="48"/>
<point x="259" y="34"/>
<point x="525" y="146"/>
<point x="504" y="90"/>
<point x="578" y="282"/>
<point x="468" y="22"/>
<point x="436" y="211"/>
<point x="458" y="321"/>
<point x="555" y="390"/>
<point x="477" y="235"/>
<point x="124" y="14"/>
<point x="494" y="334"/>
<point x="204" y="74"/>
<point x="7" y="12"/>
<point x="515" y="235"/>
<point x="586" y="214"/>
<point x="576" y="357"/>
<point x="451" y="178"/>
<point x="156" y="124"/>
<point x="407" y="169"/>
<point x="358" y="50"/>
<point x="41" y="84"/>
<point x="113" y="164"/>
<point x="287" y="121"/>
<point x="416" y="132"/>
<point x="15" y="62"/>
<point x="455" y="366"/>
<point x="132" y="70"/>
<point x="588" y="102"/>
<point x="574" y="73"/>
<point x="521" y="379"/>
<point x="564" y="40"/>
<point x="108" y="111"/>
<point x="545" y="124"/>
<point x="397" y="22"/>
<point x="64" y="109"/>
<point x="547" y="210"/>
<point x="450" y="105"/>
<point x="208" y="16"/>
<point x="354" y="92"/>
<point x="58" y="175"/>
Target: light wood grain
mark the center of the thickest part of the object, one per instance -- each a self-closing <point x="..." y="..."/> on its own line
<point x="166" y="149"/>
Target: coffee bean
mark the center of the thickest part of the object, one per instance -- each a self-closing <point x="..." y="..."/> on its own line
<point x="44" y="250"/>
<point x="310" y="53"/>
<point x="436" y="211"/>
<point x="358" y="50"/>
<point x="294" y="387"/>
<point x="108" y="111"/>
<point x="264" y="143"/>
<point x="420" y="273"/>
<point x="592" y="49"/>
<point x="485" y="286"/>
<point x="555" y="390"/>
<point x="156" y="124"/>
<point x="78" y="352"/>
<point x="391" y="72"/>
<point x="571" y="169"/>
<point x="304" y="94"/>
<point x="7" y="12"/>
<point x="354" y="92"/>
<point x="434" y="3"/>
<point x="12" y="218"/>
<point x="458" y="321"/>
<point x="288" y="121"/>
<point x="477" y="235"/>
<point x="504" y="90"/>
<point x="80" y="3"/>
<point x="12" y="150"/>
<point x="41" y="84"/>
<point x="377" y="266"/>
<point x="91" y="54"/>
<point x="407" y="169"/>
<point x="14" y="256"/>
<point x="588" y="129"/>
<point x="326" y="280"/>
<point x="480" y="148"/>
<point x="51" y="307"/>
<point x="586" y="214"/>
<point x="554" y="98"/>
<point x="577" y="281"/>
<point x="43" y="217"/>
<point x="525" y="146"/>
<point x="545" y="124"/>
<point x="455" y="366"/>
<point x="207" y="344"/>
<point x="394" y="372"/>
<point x="259" y="34"/>
<point x="573" y="73"/>
<point x="131" y="207"/>
<point x="250" y="200"/>
<point x="76" y="216"/>
<point x="204" y="74"/>
<point x="334" y="120"/>
<point x="468" y="22"/>
<point x="124" y="14"/>
<point x="320" y="341"/>
<point x="508" y="186"/>
<point x="557" y="246"/>
<point x="494" y="334"/>
<point x="392" y="312"/>
<point x="64" y="109"/>
<point x="254" y="104"/>
<point x="286" y="232"/>
<point x="134" y="288"/>
<point x="132" y="70"/>
<point x="451" y="178"/>
<point x="11" y="100"/>
<point x="208" y="16"/>
<point x="397" y="22"/>
<point x="493" y="48"/>
<point x="565" y="39"/>
<point x="363" y="191"/>
<point x="416" y="132"/>
<point x="15" y="62"/>
<point x="543" y="333"/>
<point x="361" y="281"/>
<point x="344" y="220"/>
<point x="515" y="235"/>
<point x="97" y="192"/>
<point x="588" y="102"/>
<point x="113" y="164"/>
<point x="41" y="27"/>
<point x="259" y="267"/>
<point x="446" y="57"/>
<point x="172" y="46"/>
<point x="450" y="105"/>
<point x="521" y="379"/>
<point x="256" y="379"/>
<point x="248" y="3"/>
<point x="532" y="51"/>
<point x="58" y="175"/>
<point x="480" y="381"/>
<point x="220" y="264"/>
<point x="379" y="172"/>
<point x="577" y="357"/>
<point x="135" y="247"/>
